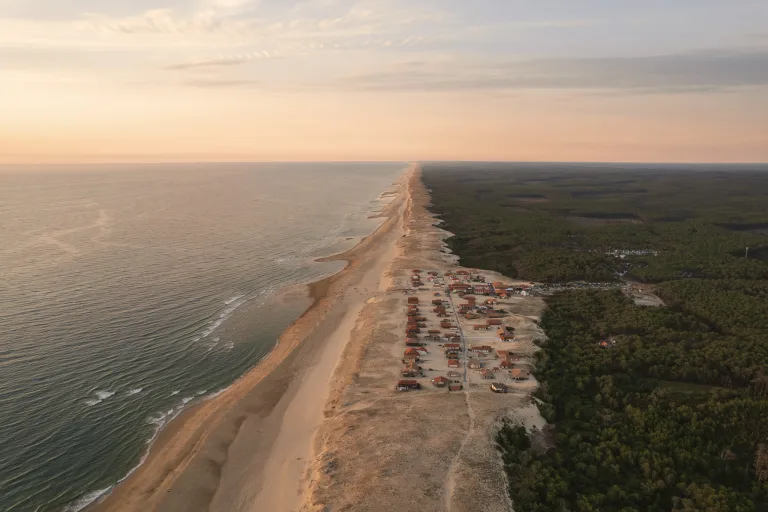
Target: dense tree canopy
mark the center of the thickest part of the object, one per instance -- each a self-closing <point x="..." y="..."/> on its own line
<point x="674" y="415"/>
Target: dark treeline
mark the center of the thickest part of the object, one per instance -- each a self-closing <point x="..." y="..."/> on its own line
<point x="674" y="415"/>
<point x="558" y="226"/>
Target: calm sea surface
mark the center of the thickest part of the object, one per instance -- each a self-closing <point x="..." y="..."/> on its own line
<point x="129" y="292"/>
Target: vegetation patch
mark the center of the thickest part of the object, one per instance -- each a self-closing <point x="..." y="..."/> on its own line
<point x="674" y="414"/>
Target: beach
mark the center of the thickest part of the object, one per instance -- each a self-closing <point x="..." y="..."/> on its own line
<point x="425" y="450"/>
<point x="216" y="454"/>
<point x="317" y="424"/>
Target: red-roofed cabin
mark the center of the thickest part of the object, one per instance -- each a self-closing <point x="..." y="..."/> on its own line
<point x="494" y="321"/>
<point x="440" y="382"/>
<point x="411" y="354"/>
<point x="519" y="374"/>
<point x="407" y="385"/>
<point x="455" y="346"/>
<point x="454" y="387"/>
<point x="453" y="363"/>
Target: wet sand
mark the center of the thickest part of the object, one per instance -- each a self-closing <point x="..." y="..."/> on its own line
<point x="250" y="447"/>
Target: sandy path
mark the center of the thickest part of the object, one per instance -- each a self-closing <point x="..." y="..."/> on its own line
<point x="450" y="480"/>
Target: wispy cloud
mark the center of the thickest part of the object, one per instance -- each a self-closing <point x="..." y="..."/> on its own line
<point x="223" y="61"/>
<point x="220" y="84"/>
<point x="684" y="72"/>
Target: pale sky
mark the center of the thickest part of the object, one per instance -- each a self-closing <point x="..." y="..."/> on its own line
<point x="223" y="80"/>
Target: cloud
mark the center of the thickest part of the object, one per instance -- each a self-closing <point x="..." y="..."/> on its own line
<point x="223" y="61"/>
<point x="685" y="72"/>
<point x="156" y="21"/>
<point x="220" y="84"/>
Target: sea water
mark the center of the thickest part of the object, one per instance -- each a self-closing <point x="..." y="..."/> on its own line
<point x="129" y="292"/>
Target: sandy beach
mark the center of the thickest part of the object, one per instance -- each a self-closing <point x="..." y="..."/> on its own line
<point x="217" y="454"/>
<point x="318" y="426"/>
<point x="428" y="450"/>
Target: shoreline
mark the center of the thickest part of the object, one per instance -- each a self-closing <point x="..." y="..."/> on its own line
<point x="163" y="477"/>
<point x="430" y="450"/>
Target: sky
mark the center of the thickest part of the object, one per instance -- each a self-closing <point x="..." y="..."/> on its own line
<point x="267" y="80"/>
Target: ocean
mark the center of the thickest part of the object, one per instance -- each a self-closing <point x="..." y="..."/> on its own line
<point x="129" y="292"/>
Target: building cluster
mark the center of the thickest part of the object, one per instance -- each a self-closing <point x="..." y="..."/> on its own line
<point x="436" y="320"/>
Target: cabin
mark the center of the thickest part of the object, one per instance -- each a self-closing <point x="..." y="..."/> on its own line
<point x="432" y="337"/>
<point x="498" y="387"/>
<point x="487" y="374"/>
<point x="413" y="342"/>
<point x="413" y="300"/>
<point x="454" y="374"/>
<point x="493" y="321"/>
<point x="453" y="363"/>
<point x="420" y="319"/>
<point x="474" y="364"/>
<point x="494" y="314"/>
<point x="407" y="385"/>
<point x="433" y="331"/>
<point x="504" y="354"/>
<point x="437" y="302"/>
<point x="454" y="387"/>
<point x="411" y="371"/>
<point x="479" y="327"/>
<point x="440" y="382"/>
<point x="446" y="325"/>
<point x="482" y="349"/>
<point x="411" y="354"/>
<point x="490" y="302"/>
<point x="507" y="365"/>
<point x="520" y="374"/>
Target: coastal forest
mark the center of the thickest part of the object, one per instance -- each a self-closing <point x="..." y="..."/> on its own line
<point x="672" y="413"/>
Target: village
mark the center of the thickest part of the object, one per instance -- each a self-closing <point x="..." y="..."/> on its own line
<point x="460" y="334"/>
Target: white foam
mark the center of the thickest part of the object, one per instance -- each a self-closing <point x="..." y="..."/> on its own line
<point x="100" y="397"/>
<point x="86" y="500"/>
<point x="134" y="391"/>
<point x="231" y="305"/>
<point x="175" y="392"/>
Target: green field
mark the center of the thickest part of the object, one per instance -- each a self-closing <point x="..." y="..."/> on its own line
<point x="674" y="416"/>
